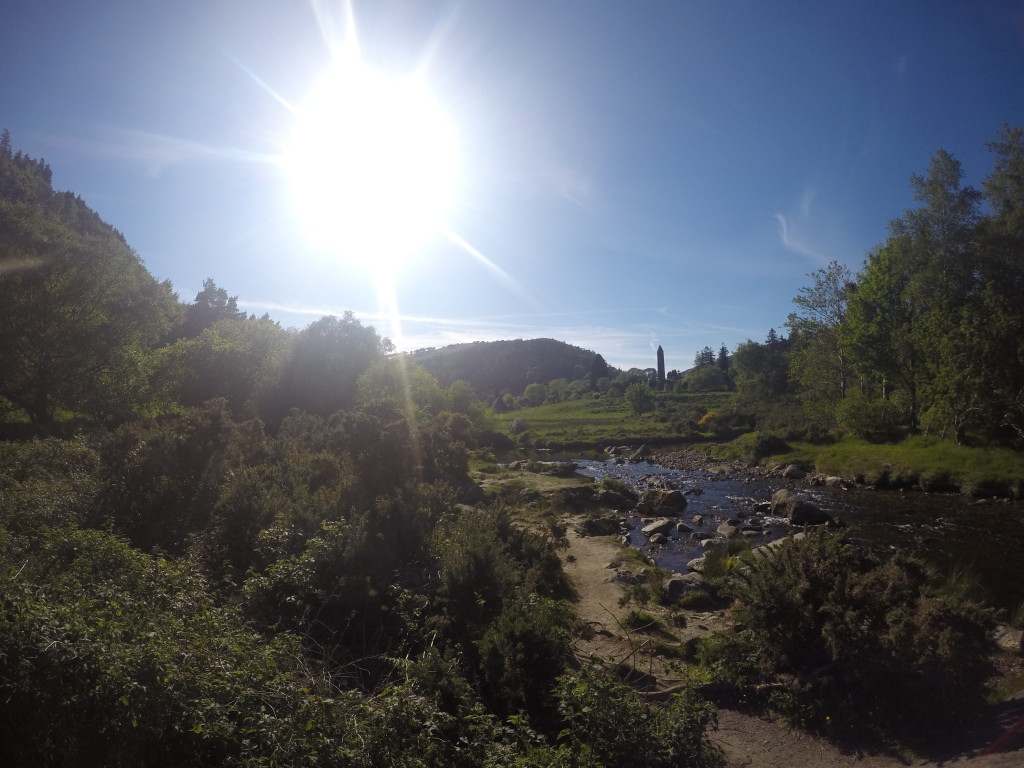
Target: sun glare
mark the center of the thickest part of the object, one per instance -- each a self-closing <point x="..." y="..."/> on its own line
<point x="372" y="166"/>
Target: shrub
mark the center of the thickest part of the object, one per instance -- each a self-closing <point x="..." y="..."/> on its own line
<point x="640" y="397"/>
<point x="868" y="418"/>
<point x="523" y="652"/>
<point x="768" y="445"/>
<point x="856" y="643"/>
<point x="607" y="723"/>
<point x="641" y="621"/>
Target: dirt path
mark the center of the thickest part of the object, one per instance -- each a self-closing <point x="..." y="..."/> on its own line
<point x="748" y="740"/>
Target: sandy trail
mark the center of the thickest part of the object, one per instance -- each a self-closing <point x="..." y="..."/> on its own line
<point x="745" y="739"/>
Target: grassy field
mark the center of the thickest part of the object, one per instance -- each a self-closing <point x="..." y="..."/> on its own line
<point x="606" y="421"/>
<point x="922" y="462"/>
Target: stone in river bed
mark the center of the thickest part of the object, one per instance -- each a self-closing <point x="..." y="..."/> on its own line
<point x="727" y="530"/>
<point x="663" y="526"/>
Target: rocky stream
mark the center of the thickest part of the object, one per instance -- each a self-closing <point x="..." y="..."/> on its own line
<point x="960" y="536"/>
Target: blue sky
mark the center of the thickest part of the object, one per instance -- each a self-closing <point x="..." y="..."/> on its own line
<point x="629" y="174"/>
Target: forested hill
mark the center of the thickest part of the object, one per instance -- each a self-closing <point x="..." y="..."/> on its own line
<point x="80" y="311"/>
<point x="507" y="367"/>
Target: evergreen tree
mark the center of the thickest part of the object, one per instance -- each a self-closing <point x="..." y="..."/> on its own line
<point x="705" y="356"/>
<point x="723" y="358"/>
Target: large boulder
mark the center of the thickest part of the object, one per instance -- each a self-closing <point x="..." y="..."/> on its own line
<point x="601" y="526"/>
<point x="1009" y="639"/>
<point x="640" y="453"/>
<point x="798" y="509"/>
<point x="577" y="497"/>
<point x="767" y="549"/>
<point x="727" y="529"/>
<point x="696" y="565"/>
<point x="609" y="498"/>
<point x="677" y="586"/>
<point x="672" y="500"/>
<point x="663" y="526"/>
<point x="666" y="502"/>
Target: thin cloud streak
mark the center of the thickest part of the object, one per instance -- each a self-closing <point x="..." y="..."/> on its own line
<point x="790" y="241"/>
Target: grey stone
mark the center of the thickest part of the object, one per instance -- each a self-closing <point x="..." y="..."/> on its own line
<point x="677" y="586"/>
<point x="727" y="530"/>
<point x="663" y="526"/>
<point x="798" y="509"/>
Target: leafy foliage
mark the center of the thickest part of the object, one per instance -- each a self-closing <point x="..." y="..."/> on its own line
<point x="848" y="642"/>
<point x="607" y="723"/>
<point x="640" y="397"/>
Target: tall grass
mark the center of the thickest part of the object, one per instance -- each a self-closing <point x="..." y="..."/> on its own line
<point x="927" y="463"/>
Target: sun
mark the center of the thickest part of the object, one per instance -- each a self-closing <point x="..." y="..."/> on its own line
<point x="371" y="166"/>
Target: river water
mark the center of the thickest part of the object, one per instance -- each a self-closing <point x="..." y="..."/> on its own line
<point x="947" y="530"/>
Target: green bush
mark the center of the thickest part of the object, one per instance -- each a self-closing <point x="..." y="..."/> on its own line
<point x="851" y="643"/>
<point x="641" y="621"/>
<point x="607" y="723"/>
<point x="868" y="418"/>
<point x="523" y="652"/>
<point x="640" y="397"/>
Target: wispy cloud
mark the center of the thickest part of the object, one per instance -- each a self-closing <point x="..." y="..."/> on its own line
<point x="794" y="242"/>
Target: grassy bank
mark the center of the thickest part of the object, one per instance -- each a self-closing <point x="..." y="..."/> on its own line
<point x="605" y="421"/>
<point x="923" y="463"/>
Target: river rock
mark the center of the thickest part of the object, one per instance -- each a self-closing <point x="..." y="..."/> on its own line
<point x="683" y="528"/>
<point x="1008" y="638"/>
<point x="640" y="453"/>
<point x="793" y="472"/>
<point x="727" y="529"/>
<point x="665" y="501"/>
<point x="798" y="509"/>
<point x="609" y="498"/>
<point x="696" y="565"/>
<point x="659" y="482"/>
<point x="674" y="500"/>
<point x="767" y="549"/>
<point x="659" y="538"/>
<point x="663" y="526"/>
<point x="678" y="586"/>
<point x="697" y="519"/>
<point x="601" y="526"/>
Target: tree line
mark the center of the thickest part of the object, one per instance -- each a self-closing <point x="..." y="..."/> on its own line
<point x="927" y="336"/>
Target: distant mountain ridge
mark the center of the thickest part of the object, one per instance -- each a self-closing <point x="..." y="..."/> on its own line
<point x="499" y="367"/>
